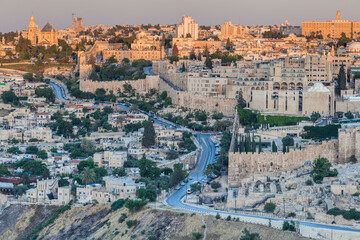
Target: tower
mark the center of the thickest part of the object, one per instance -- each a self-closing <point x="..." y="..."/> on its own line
<point x="32" y="30"/>
<point x="338" y="15"/>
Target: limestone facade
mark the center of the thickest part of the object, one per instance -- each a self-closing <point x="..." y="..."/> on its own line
<point x="47" y="36"/>
<point x="243" y="165"/>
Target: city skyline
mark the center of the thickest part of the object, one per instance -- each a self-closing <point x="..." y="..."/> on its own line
<point x="112" y="13"/>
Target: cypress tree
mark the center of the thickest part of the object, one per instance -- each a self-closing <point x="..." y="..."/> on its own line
<point x="341" y="80"/>
<point x="253" y="147"/>
<point x="148" y="139"/>
<point x="208" y="62"/>
<point x="236" y="144"/>
<point x="260" y="147"/>
<point x="274" y="147"/>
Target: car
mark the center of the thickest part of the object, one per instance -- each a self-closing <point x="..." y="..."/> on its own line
<point x="186" y="180"/>
<point x="177" y="187"/>
<point x="188" y="191"/>
<point x="182" y="184"/>
<point x="190" y="178"/>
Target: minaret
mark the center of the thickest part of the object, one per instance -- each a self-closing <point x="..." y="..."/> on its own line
<point x="338" y="15"/>
<point x="32" y="30"/>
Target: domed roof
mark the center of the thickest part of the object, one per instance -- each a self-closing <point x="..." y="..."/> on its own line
<point x="354" y="47"/>
<point x="318" y="87"/>
<point x="47" y="28"/>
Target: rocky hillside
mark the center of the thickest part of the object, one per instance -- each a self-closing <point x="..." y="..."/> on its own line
<point x="99" y="222"/>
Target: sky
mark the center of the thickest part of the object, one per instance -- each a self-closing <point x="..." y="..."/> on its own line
<point x="15" y="14"/>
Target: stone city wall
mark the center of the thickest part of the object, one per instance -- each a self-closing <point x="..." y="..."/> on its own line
<point x="245" y="164"/>
<point x="140" y="85"/>
<point x="197" y="102"/>
<point x="349" y="144"/>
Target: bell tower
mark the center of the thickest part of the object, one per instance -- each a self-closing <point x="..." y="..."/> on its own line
<point x="32" y="30"/>
<point x="338" y="15"/>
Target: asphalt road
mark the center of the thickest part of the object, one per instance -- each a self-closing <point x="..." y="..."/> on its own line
<point x="206" y="156"/>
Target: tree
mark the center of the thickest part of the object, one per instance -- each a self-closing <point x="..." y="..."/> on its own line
<point x="31" y="150"/>
<point x="25" y="179"/>
<point x="274" y="147"/>
<point x="29" y="77"/>
<point x="148" y="139"/>
<point x="177" y="175"/>
<point x="192" y="55"/>
<point x="42" y="154"/>
<point x="10" y="97"/>
<point x="349" y="115"/>
<point x="63" y="182"/>
<point x="215" y="185"/>
<point x="148" y="169"/>
<point x="229" y="44"/>
<point x="353" y="159"/>
<point x="20" y="189"/>
<point x="88" y="175"/>
<point x="196" y="235"/>
<point x="341" y="80"/>
<point x="46" y="173"/>
<point x="175" y="51"/>
<point x="85" y="164"/>
<point x="249" y="236"/>
<point x="4" y="170"/>
<point x="315" y="116"/>
<point x="269" y="207"/>
<point x="321" y="169"/>
<point x="119" y="172"/>
<point x="209" y="170"/>
<point x="13" y="150"/>
<point x="287" y="141"/>
<point x="208" y="62"/>
<point x="172" y="154"/>
<point x="46" y="92"/>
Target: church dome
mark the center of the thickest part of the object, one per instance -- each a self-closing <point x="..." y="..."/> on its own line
<point x="47" y="28"/>
<point x="354" y="47"/>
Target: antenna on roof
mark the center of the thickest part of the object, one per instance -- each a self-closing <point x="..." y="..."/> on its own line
<point x="73" y="15"/>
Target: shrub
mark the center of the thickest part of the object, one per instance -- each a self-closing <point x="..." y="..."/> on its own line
<point x="289" y="226"/>
<point x="353" y="159"/>
<point x="228" y="218"/>
<point x="217" y="216"/>
<point x="122" y="218"/>
<point x="131" y="223"/>
<point x="196" y="235"/>
<point x="117" y="204"/>
<point x="215" y="185"/>
<point x="292" y="214"/>
<point x="270" y="207"/>
<point x="309" y="182"/>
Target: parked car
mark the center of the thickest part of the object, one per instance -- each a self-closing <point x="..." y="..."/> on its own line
<point x="177" y="187"/>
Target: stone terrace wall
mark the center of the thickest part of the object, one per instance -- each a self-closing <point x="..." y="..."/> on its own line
<point x="245" y="164"/>
<point x="140" y="85"/>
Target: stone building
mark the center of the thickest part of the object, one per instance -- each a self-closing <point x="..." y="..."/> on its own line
<point x="332" y="29"/>
<point x="188" y="28"/>
<point x="47" y="36"/>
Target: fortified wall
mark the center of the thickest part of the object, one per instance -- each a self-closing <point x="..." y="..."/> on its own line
<point x="243" y="165"/>
<point x="198" y="102"/>
<point x="140" y="85"/>
<point x="349" y="144"/>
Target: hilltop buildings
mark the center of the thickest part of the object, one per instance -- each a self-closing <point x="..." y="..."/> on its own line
<point x="47" y="36"/>
<point x="332" y="29"/>
<point x="188" y="28"/>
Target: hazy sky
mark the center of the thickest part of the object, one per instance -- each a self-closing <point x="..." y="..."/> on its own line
<point x="15" y="14"/>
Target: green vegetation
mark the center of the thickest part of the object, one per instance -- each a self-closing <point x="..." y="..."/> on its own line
<point x="351" y="214"/>
<point x="148" y="139"/>
<point x="321" y="169"/>
<point x="321" y="133"/>
<point x="31" y="166"/>
<point x="341" y="80"/>
<point x="315" y="116"/>
<point x="111" y="72"/>
<point x="252" y="119"/>
<point x="269" y="207"/>
<point x="187" y="142"/>
<point x="353" y="159"/>
<point x="274" y="34"/>
<point x="13" y="150"/>
<point x="247" y="235"/>
<point x="196" y="235"/>
<point x="45" y="92"/>
<point x="10" y="97"/>
<point x="215" y="185"/>
<point x="309" y="182"/>
<point x="292" y="214"/>
<point x="172" y="154"/>
<point x="217" y="216"/>
<point x="4" y="170"/>
<point x="289" y="226"/>
<point x="131" y="223"/>
<point x="177" y="175"/>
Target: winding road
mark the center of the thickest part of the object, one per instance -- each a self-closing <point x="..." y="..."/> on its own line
<point x="206" y="156"/>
